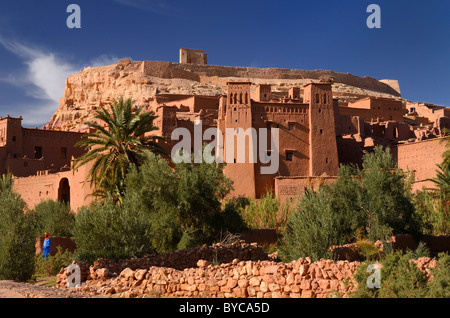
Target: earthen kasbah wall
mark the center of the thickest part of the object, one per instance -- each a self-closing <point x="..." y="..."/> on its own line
<point x="421" y="159"/>
<point x="196" y="71"/>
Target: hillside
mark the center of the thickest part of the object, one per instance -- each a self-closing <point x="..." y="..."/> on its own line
<point x="97" y="86"/>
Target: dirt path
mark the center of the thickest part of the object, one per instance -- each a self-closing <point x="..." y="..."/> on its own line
<point x="11" y="289"/>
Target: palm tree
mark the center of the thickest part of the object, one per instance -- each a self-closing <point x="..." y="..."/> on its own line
<point x="446" y="154"/>
<point x="6" y="182"/>
<point x="441" y="182"/>
<point x="117" y="145"/>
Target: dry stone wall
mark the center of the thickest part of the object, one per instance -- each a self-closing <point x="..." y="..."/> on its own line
<point x="238" y="279"/>
<point x="238" y="270"/>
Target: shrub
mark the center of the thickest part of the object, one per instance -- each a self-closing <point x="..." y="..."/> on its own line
<point x="51" y="265"/>
<point x="311" y="228"/>
<point x="184" y="204"/>
<point x="368" y="250"/>
<point x="17" y="238"/>
<point x="401" y="278"/>
<point x="54" y="217"/>
<point x="432" y="213"/>
<point x="376" y="199"/>
<point x="108" y="231"/>
<point x="265" y="213"/>
<point x="440" y="285"/>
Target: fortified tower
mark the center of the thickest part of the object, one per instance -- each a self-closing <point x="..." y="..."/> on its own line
<point x="322" y="135"/>
<point x="240" y="164"/>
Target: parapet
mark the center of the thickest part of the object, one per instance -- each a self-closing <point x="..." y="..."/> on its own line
<point x="191" y="56"/>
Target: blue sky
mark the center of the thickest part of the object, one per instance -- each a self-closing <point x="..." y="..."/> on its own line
<point x="38" y="51"/>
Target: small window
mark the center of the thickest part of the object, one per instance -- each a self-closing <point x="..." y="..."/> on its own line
<point x="321" y="131"/>
<point x="63" y="153"/>
<point x="326" y="160"/>
<point x="37" y="152"/>
<point x="14" y="138"/>
<point x="291" y="126"/>
<point x="324" y="98"/>
<point x="289" y="156"/>
<point x="317" y="98"/>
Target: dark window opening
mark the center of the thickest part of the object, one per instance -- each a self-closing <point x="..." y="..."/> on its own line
<point x="291" y="126"/>
<point x="63" y="153"/>
<point x="289" y="156"/>
<point x="37" y="152"/>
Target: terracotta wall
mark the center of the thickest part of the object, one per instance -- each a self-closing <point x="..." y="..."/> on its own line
<point x="65" y="243"/>
<point x="46" y="185"/>
<point x="420" y="157"/>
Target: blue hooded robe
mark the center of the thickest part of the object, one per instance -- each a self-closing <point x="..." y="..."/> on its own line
<point x="46" y="247"/>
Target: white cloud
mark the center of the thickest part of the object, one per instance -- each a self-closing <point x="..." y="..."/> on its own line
<point x="104" y="60"/>
<point x="43" y="79"/>
<point x="45" y="71"/>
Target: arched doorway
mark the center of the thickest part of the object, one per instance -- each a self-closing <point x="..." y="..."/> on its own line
<point x="64" y="191"/>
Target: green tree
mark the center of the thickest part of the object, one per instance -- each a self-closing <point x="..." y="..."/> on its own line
<point x="433" y="204"/>
<point x="119" y="142"/>
<point x="6" y="182"/>
<point x="184" y="203"/>
<point x="108" y="230"/>
<point x="54" y="217"/>
<point x="402" y="278"/>
<point x="17" y="238"/>
<point x="446" y="154"/>
<point x="374" y="202"/>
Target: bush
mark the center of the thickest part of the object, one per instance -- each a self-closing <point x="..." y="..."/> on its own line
<point x="312" y="228"/>
<point x="108" y="231"/>
<point x="54" y="217"/>
<point x="440" y="285"/>
<point x="401" y="278"/>
<point x="264" y="213"/>
<point x="184" y="204"/>
<point x="52" y="265"/>
<point x="376" y="199"/>
<point x="432" y="213"/>
<point x="17" y="238"/>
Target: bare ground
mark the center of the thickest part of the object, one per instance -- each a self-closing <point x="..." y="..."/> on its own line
<point x="11" y="289"/>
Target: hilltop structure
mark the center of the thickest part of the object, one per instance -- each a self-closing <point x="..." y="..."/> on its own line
<point x="321" y="125"/>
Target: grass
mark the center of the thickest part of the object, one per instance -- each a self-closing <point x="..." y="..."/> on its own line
<point x="43" y="280"/>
